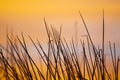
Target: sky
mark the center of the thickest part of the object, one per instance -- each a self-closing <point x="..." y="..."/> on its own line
<point x="27" y="16"/>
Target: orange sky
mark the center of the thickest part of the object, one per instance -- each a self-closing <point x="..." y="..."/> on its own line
<point x="27" y="16"/>
<point x="58" y="8"/>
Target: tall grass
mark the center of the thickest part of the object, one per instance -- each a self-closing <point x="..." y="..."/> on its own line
<point x="61" y="60"/>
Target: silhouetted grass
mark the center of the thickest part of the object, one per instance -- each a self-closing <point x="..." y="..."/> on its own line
<point x="61" y="60"/>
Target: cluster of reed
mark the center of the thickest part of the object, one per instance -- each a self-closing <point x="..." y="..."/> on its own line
<point x="60" y="61"/>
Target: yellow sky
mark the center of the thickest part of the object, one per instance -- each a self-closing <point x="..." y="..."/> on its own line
<point x="27" y="15"/>
<point x="47" y="7"/>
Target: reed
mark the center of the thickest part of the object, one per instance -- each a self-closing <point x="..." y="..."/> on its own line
<point x="61" y="60"/>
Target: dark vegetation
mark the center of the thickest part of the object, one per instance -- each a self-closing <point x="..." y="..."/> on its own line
<point x="60" y="61"/>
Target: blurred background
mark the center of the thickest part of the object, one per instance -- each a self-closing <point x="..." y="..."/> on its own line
<point x="27" y="16"/>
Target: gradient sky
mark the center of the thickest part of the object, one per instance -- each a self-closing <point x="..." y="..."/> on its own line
<point x="27" y="16"/>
